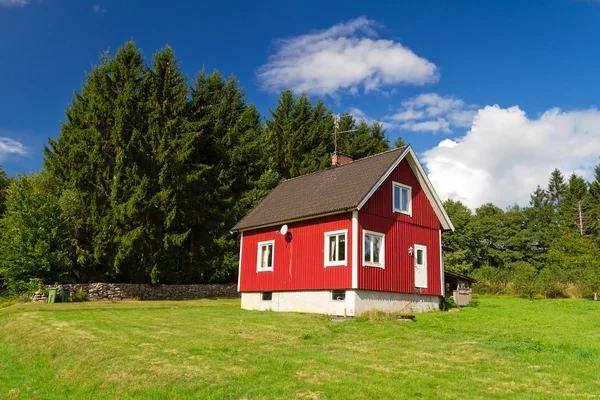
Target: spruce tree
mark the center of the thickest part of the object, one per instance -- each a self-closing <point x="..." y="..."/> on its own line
<point x="557" y="188"/>
<point x="399" y="142"/>
<point x="233" y="147"/>
<point x="4" y="184"/>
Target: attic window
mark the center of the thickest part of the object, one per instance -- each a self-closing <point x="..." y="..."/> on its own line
<point x="264" y="259"/>
<point x="402" y="198"/>
<point x="336" y="248"/>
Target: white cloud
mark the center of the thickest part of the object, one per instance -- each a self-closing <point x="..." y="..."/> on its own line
<point x="505" y="154"/>
<point x="344" y="59"/>
<point x="9" y="146"/>
<point x="430" y="112"/>
<point x="13" y="3"/>
<point x="98" y="9"/>
<point x="438" y="125"/>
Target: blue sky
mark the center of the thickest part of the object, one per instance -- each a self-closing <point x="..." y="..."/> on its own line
<point x="492" y="95"/>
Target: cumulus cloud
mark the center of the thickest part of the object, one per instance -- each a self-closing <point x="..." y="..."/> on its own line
<point x="345" y="58"/>
<point x="9" y="146"/>
<point x="13" y="3"/>
<point x="505" y="154"/>
<point x="430" y="112"/>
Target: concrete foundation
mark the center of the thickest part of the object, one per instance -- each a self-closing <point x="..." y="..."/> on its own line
<point x="356" y="302"/>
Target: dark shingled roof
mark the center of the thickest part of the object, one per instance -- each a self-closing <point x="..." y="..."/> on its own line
<point x="334" y="189"/>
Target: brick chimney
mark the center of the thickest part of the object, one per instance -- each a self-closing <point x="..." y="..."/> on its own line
<point x="338" y="159"/>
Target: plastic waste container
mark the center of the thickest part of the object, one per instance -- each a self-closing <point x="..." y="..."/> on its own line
<point x="65" y="295"/>
<point x="52" y="295"/>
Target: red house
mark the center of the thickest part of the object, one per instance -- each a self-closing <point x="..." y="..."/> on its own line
<point x="360" y="235"/>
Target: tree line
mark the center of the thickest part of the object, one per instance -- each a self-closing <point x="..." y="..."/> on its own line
<point x="550" y="248"/>
<point x="150" y="171"/>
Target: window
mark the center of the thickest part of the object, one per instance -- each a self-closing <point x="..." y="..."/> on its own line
<point x="336" y="248"/>
<point x="402" y="198"/>
<point x="264" y="260"/>
<point x="338" y="295"/>
<point x="267" y="296"/>
<point x="374" y="249"/>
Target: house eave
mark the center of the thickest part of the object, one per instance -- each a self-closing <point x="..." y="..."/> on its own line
<point x="289" y="221"/>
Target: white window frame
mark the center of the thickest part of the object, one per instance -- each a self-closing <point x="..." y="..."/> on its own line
<point x="381" y="263"/>
<point x="408" y="198"/>
<point x="258" y="266"/>
<point x="328" y="263"/>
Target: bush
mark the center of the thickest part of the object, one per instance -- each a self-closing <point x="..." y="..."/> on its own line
<point x="491" y="280"/>
<point x="449" y="303"/>
<point x="525" y="278"/>
<point x="550" y="283"/>
<point x="79" y="297"/>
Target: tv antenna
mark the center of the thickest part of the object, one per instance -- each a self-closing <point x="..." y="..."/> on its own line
<point x="336" y="127"/>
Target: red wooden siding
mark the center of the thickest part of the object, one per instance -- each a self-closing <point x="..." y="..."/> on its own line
<point x="381" y="201"/>
<point x="399" y="274"/>
<point x="299" y="264"/>
<point x="401" y="232"/>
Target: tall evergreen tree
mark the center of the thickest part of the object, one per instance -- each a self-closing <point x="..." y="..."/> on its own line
<point x="576" y="209"/>
<point x="235" y="151"/>
<point x="399" y="142"/>
<point x="557" y="188"/>
<point x="98" y="155"/>
<point x="4" y="184"/>
<point x="298" y="136"/>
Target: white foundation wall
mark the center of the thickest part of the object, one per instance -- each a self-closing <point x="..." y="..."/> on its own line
<point x="318" y="301"/>
<point x="357" y="301"/>
<point x="367" y="300"/>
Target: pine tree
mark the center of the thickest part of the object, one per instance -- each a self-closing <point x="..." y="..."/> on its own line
<point x="576" y="208"/>
<point x="232" y="131"/>
<point x="103" y="156"/>
<point x="538" y="198"/>
<point x="399" y="142"/>
<point x="4" y="184"/>
<point x="557" y="187"/>
<point x="298" y="136"/>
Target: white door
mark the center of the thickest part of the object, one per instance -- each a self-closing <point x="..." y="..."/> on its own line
<point x="420" y="266"/>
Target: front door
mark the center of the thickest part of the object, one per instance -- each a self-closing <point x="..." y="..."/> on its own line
<point x="420" y="266"/>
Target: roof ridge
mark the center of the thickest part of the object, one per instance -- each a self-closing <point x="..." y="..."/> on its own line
<point x="341" y="166"/>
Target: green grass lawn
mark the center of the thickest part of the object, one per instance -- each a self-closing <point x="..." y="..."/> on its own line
<point x="210" y="349"/>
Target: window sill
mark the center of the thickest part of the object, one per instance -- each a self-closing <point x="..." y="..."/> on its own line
<point x="265" y="270"/>
<point x="374" y="265"/>
<point x="342" y="264"/>
<point x="397" y="211"/>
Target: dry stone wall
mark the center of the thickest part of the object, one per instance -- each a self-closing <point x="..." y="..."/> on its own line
<point x="123" y="291"/>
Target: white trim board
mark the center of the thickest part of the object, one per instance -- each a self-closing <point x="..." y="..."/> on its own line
<point x="355" y="244"/>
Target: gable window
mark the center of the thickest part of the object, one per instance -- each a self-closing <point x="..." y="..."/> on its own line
<point x="402" y="198"/>
<point x="336" y="248"/>
<point x="373" y="249"/>
<point x="264" y="260"/>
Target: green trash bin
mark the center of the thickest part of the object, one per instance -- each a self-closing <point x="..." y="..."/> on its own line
<point x="52" y="295"/>
<point x="65" y="295"/>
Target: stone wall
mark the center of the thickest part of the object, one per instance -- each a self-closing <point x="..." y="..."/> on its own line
<point x="122" y="291"/>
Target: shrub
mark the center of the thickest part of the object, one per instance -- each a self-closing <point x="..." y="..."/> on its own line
<point x="79" y="297"/>
<point x="449" y="303"/>
<point x="550" y="283"/>
<point x="525" y="278"/>
<point x="491" y="280"/>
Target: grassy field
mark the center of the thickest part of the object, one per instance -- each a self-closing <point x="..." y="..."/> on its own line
<point x="210" y="349"/>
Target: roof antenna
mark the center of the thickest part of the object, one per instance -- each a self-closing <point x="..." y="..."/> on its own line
<point x="336" y="127"/>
